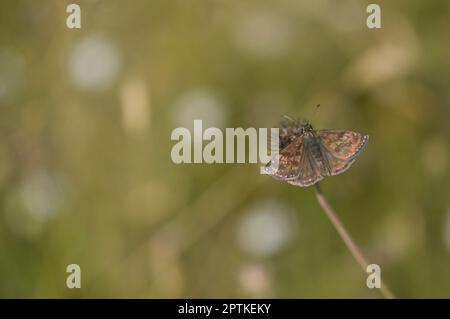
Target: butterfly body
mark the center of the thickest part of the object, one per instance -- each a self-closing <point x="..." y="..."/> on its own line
<point x="306" y="155"/>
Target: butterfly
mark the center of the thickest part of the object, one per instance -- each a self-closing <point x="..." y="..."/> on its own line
<point x="306" y="155"/>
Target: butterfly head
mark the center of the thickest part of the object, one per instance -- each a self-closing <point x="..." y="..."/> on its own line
<point x="292" y="129"/>
<point x="306" y="127"/>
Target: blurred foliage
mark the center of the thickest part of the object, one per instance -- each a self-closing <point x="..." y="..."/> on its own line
<point x="85" y="169"/>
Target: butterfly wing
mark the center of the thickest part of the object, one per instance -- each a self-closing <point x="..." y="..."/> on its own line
<point x="340" y="148"/>
<point x="286" y="165"/>
<point x="295" y="165"/>
<point x="309" y="170"/>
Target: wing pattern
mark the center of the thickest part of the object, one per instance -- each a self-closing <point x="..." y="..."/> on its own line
<point x="304" y="162"/>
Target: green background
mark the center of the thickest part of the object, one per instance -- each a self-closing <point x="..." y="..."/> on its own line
<point x="86" y="175"/>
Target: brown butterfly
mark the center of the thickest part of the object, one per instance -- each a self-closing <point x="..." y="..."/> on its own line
<point x="306" y="155"/>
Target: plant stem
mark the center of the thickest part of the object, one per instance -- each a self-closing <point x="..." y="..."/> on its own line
<point x="349" y="242"/>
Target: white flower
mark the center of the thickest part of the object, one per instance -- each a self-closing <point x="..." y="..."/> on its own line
<point x="94" y="63"/>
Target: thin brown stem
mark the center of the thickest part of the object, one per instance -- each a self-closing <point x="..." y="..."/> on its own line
<point x="349" y="242"/>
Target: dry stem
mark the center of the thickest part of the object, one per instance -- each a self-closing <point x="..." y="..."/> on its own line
<point x="351" y="245"/>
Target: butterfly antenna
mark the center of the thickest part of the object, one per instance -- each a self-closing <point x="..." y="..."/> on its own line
<point x="287" y="120"/>
<point x="287" y="117"/>
<point x="315" y="110"/>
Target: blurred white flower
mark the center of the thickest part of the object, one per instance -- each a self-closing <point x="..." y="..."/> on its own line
<point x="265" y="228"/>
<point x="12" y="74"/>
<point x="135" y="103"/>
<point x="255" y="279"/>
<point x="167" y="275"/>
<point x="200" y="104"/>
<point x="263" y="34"/>
<point x="37" y="200"/>
<point x="402" y="231"/>
<point x="392" y="57"/>
<point x="42" y="195"/>
<point x="94" y="63"/>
